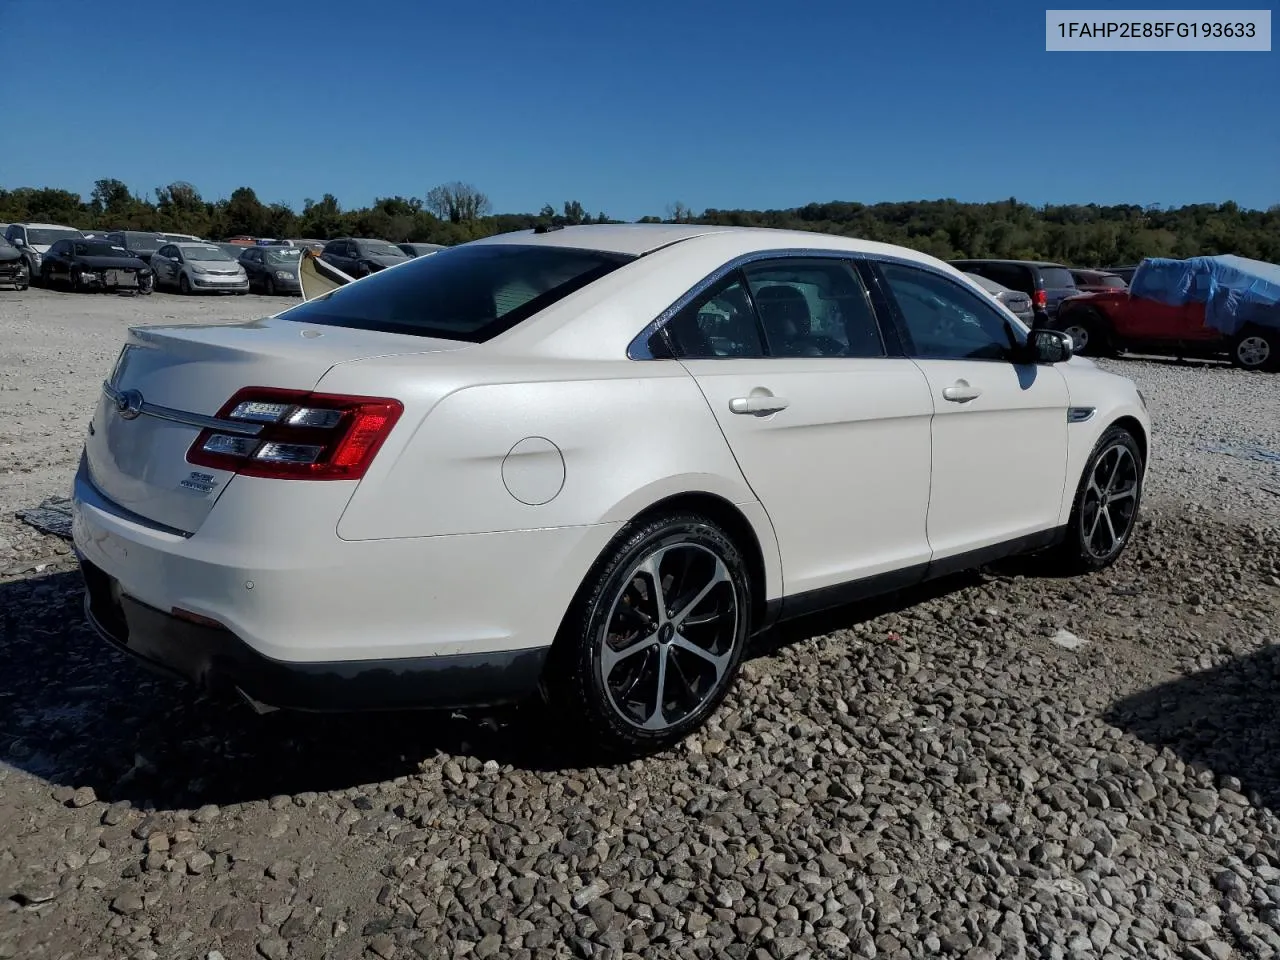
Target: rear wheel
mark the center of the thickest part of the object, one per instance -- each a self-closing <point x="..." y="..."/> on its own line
<point x="1256" y="350"/>
<point x="1106" y="504"/>
<point x="653" y="641"/>
<point x="1087" y="332"/>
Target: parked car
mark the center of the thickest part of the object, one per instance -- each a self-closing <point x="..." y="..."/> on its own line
<point x="33" y="241"/>
<point x="198" y="268"/>
<point x="84" y="265"/>
<point x="233" y="250"/>
<point x="1047" y="284"/>
<point x="1201" y="307"/>
<point x="13" y="268"/>
<point x="1019" y="303"/>
<point x="458" y="468"/>
<point x="420" y="249"/>
<point x="142" y="244"/>
<point x="358" y="257"/>
<point x="316" y="245"/>
<point x="272" y="269"/>
<point x="1094" y="281"/>
<point x="182" y="238"/>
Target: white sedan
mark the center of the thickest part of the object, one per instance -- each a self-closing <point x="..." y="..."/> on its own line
<point x="585" y="462"/>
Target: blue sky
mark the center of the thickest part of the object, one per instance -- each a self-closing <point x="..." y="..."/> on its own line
<point x="626" y="107"/>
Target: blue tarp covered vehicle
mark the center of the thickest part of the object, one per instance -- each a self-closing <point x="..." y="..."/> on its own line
<point x="1236" y="292"/>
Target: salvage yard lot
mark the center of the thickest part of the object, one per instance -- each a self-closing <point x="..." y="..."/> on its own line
<point x="931" y="775"/>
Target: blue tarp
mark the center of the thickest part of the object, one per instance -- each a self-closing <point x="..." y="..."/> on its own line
<point x="1235" y="291"/>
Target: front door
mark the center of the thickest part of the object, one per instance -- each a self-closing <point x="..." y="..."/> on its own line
<point x="999" y="436"/>
<point x="829" y="429"/>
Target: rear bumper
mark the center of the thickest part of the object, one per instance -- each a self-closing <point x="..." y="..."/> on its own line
<point x="216" y="659"/>
<point x="307" y="620"/>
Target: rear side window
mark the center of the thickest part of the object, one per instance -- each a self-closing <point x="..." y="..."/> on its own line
<point x="470" y="293"/>
<point x="1057" y="278"/>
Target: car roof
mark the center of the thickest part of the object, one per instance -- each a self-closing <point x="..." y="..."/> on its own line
<point x="43" y="226"/>
<point x="1024" y="263"/>
<point x="638" y="239"/>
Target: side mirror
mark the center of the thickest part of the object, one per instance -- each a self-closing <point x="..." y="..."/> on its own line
<point x="1050" y="346"/>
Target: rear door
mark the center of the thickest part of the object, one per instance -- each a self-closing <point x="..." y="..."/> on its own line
<point x="999" y="433"/>
<point x="829" y="423"/>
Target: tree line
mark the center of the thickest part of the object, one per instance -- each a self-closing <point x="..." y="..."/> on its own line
<point x="1078" y="234"/>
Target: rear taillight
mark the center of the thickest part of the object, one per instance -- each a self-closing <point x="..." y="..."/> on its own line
<point x="304" y="436"/>
<point x="1041" y="298"/>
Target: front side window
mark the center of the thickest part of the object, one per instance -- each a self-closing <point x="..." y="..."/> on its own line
<point x="943" y="320"/>
<point x="813" y="308"/>
<point x="470" y="293"/>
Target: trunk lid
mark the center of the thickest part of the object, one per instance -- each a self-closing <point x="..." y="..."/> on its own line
<point x="168" y="377"/>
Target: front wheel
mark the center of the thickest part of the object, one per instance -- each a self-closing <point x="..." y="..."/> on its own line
<point x="184" y="285"/>
<point x="269" y="287"/>
<point x="1256" y="350"/>
<point x="653" y="640"/>
<point x="1106" y="504"/>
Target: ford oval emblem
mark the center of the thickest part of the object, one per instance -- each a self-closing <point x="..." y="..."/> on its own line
<point x="129" y="404"/>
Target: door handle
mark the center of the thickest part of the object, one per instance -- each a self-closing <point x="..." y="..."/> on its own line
<point x="758" y="405"/>
<point x="960" y="392"/>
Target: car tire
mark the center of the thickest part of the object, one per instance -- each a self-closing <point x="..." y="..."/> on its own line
<point x="1105" y="511"/>
<point x="610" y="699"/>
<point x="1088" y="331"/>
<point x="269" y="287"/>
<point x="1256" y="349"/>
<point x="184" y="285"/>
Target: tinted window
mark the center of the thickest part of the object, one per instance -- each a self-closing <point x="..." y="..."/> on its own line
<point x="143" y="242"/>
<point x="719" y="323"/>
<point x="811" y="308"/>
<point x="59" y="248"/>
<point x="1111" y="280"/>
<point x="944" y="320"/>
<point x="378" y="248"/>
<point x="37" y="236"/>
<point x="468" y="293"/>
<point x="99" y="248"/>
<point x="1057" y="278"/>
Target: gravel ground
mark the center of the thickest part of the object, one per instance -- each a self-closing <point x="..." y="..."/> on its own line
<point x="1001" y="766"/>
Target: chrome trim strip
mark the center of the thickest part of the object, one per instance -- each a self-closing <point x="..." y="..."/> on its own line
<point x="638" y="348"/>
<point x="1080" y="414"/>
<point x="118" y="398"/>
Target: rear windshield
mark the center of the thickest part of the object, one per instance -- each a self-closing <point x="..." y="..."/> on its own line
<point x="470" y="293"/>
<point x="1111" y="280"/>
<point x="1057" y="278"/>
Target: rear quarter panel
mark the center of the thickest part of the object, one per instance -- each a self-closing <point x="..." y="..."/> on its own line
<point x="625" y="441"/>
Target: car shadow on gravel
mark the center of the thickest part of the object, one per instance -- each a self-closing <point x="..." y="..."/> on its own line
<point x="1225" y="719"/>
<point x="77" y="713"/>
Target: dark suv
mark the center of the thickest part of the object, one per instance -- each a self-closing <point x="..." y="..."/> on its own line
<point x="1047" y="284"/>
